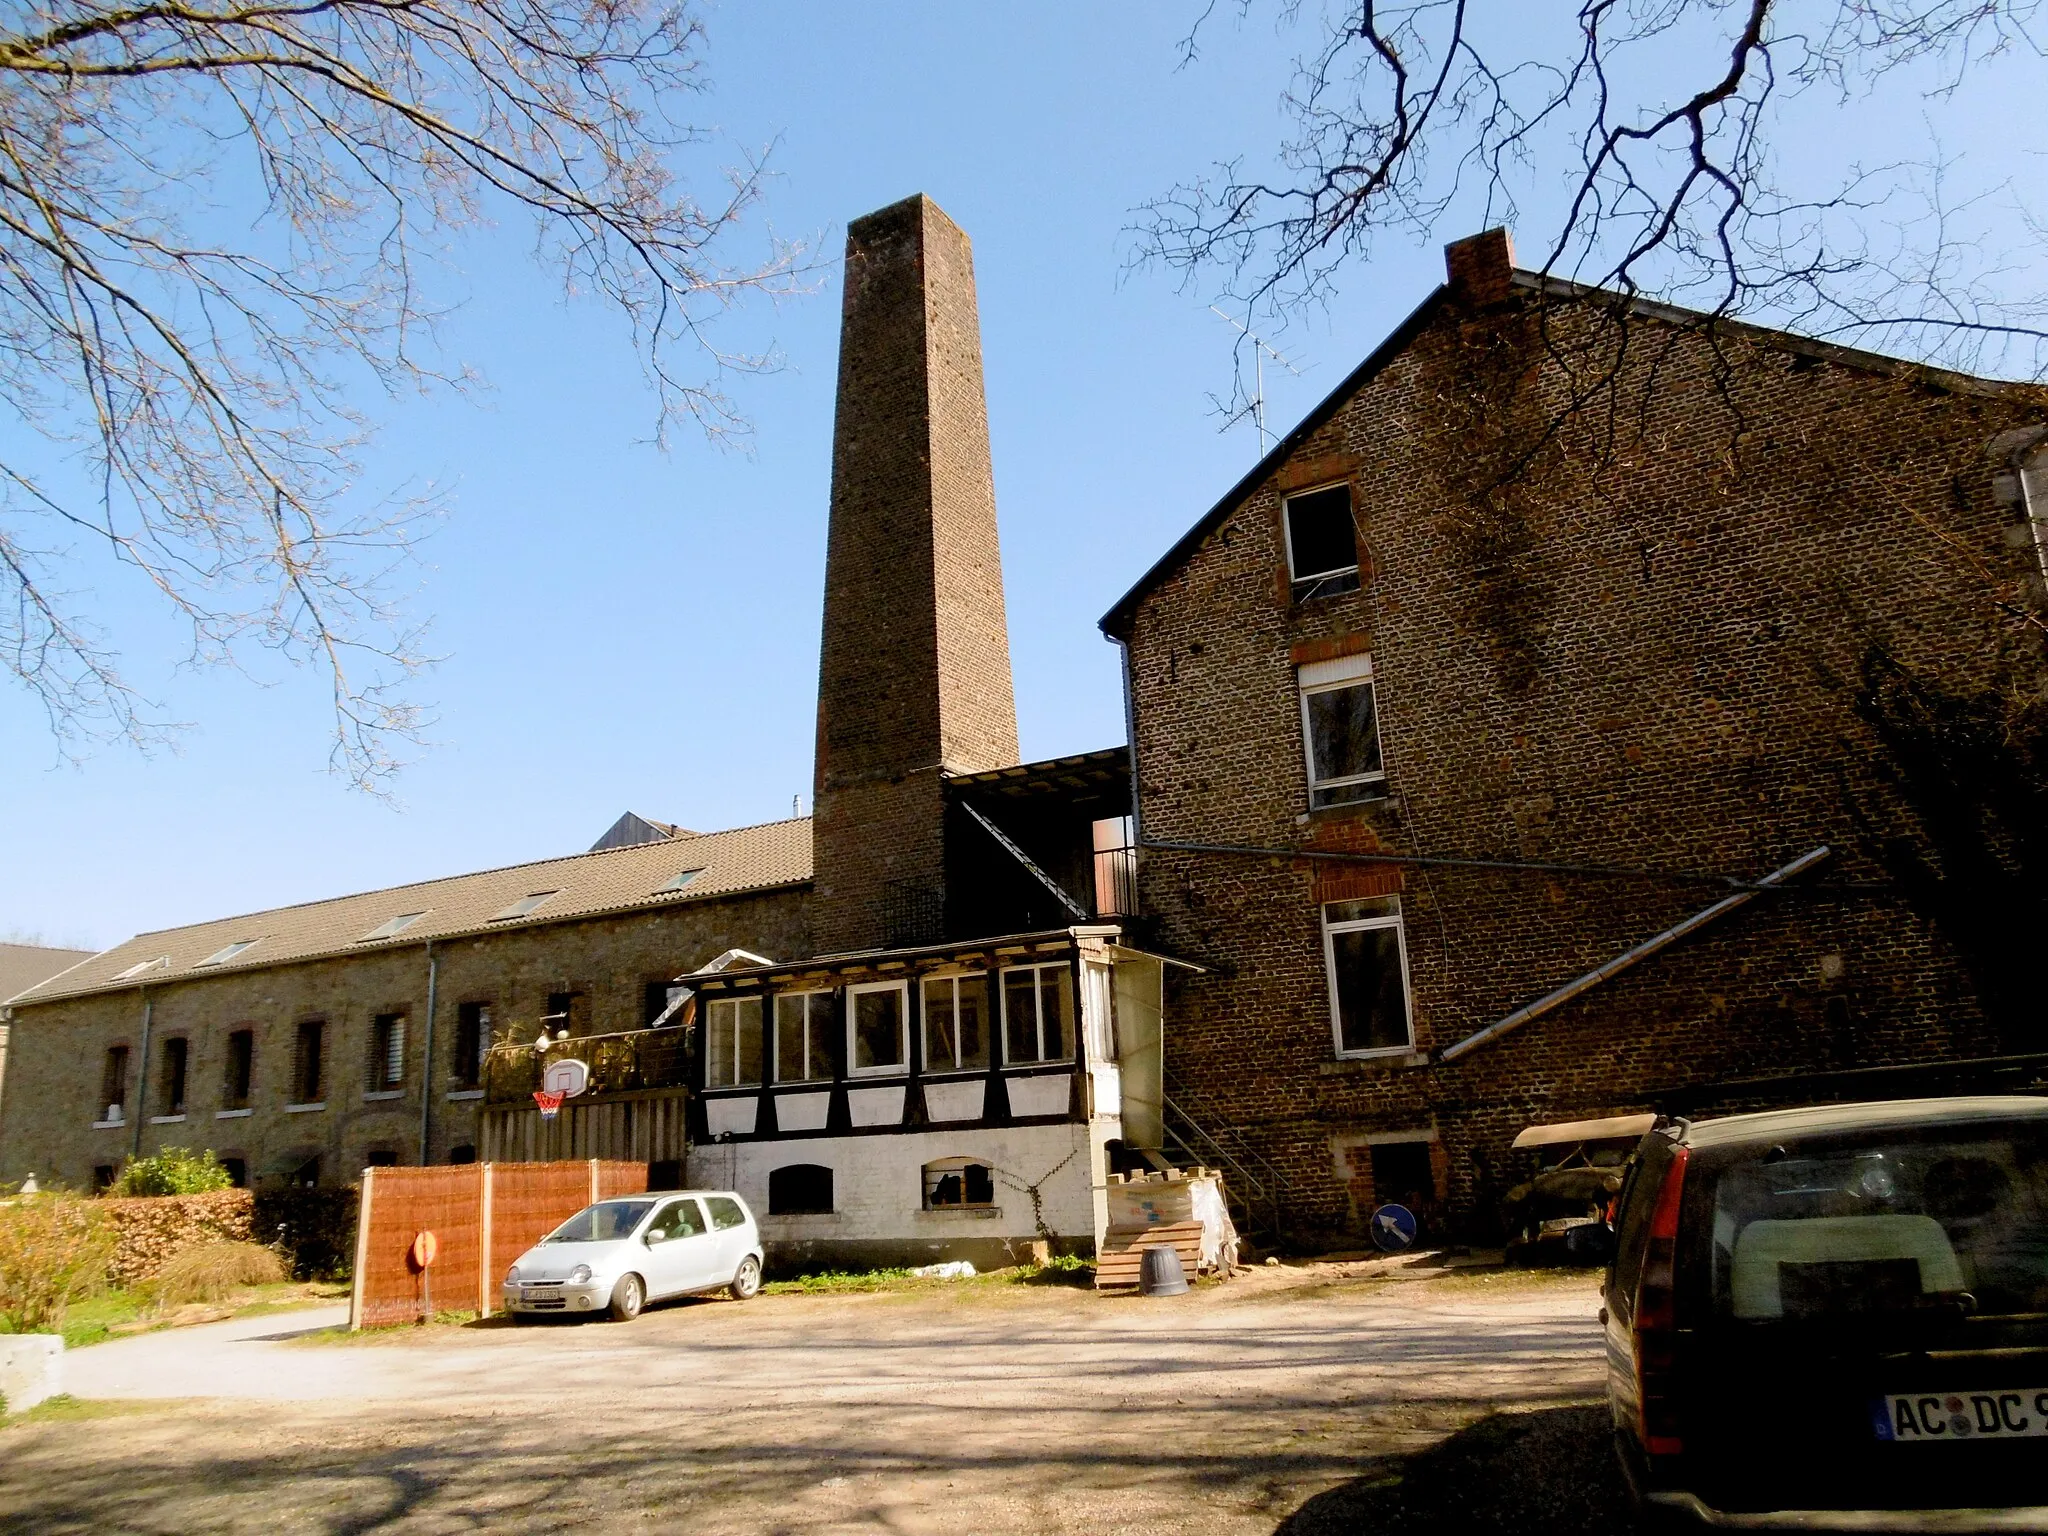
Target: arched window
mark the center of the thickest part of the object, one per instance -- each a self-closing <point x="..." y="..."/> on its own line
<point x="800" y="1189"/>
<point x="953" y="1182"/>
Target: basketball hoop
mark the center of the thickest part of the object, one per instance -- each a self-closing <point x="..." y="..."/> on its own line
<point x="549" y="1102"/>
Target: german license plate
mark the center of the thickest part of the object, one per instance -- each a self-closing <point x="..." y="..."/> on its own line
<point x="1933" y="1418"/>
<point x="543" y="1293"/>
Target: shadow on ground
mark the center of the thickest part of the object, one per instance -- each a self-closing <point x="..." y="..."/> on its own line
<point x="1547" y="1473"/>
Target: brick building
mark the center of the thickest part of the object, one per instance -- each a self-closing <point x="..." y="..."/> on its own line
<point x="1455" y="699"/>
<point x="304" y="1043"/>
<point x="1571" y="672"/>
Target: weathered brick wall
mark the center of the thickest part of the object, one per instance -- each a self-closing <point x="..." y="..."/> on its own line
<point x="1640" y="654"/>
<point x="915" y="666"/>
<point x="47" y="1113"/>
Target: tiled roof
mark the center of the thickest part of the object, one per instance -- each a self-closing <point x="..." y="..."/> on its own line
<point x="775" y="854"/>
<point x="23" y="965"/>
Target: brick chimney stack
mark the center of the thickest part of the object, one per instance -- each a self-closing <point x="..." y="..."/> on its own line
<point x="1481" y="268"/>
<point x="914" y="677"/>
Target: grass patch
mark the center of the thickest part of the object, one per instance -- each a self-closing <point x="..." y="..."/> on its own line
<point x="96" y="1318"/>
<point x="1066" y="1269"/>
<point x="827" y="1282"/>
<point x="116" y="1313"/>
<point x="66" y="1409"/>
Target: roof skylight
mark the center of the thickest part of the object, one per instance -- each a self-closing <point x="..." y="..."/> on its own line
<point x="392" y="927"/>
<point x="228" y="952"/>
<point x="525" y="906"/>
<point x="160" y="963"/>
<point x="680" y="881"/>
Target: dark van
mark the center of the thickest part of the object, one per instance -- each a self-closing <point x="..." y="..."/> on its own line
<point x="1836" y="1318"/>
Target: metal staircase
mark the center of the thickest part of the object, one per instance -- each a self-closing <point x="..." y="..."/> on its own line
<point x="1253" y="1188"/>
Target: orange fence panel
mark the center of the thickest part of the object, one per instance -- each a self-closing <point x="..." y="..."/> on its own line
<point x="397" y="1205"/>
<point x="483" y="1216"/>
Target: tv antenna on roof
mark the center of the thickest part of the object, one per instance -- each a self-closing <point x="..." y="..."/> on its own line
<point x="1261" y="350"/>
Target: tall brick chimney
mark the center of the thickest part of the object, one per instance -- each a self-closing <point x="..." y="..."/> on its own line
<point x="915" y="672"/>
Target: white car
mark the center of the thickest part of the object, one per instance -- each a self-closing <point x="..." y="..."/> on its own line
<point x="619" y="1254"/>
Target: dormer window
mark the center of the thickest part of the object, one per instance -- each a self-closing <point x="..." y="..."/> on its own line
<point x="393" y="927"/>
<point x="1322" y="543"/>
<point x="525" y="906"/>
<point x="680" y="882"/>
<point x="228" y="952"/>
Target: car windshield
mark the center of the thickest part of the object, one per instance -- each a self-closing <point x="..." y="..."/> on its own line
<point x="1945" y="1216"/>
<point x="602" y="1222"/>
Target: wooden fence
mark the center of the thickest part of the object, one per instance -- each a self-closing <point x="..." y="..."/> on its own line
<point x="482" y="1215"/>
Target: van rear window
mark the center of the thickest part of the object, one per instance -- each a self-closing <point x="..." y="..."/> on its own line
<point x="1946" y="1216"/>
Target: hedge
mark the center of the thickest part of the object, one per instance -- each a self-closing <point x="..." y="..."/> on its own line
<point x="149" y="1229"/>
<point x="316" y="1228"/>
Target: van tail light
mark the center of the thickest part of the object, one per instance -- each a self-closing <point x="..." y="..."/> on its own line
<point x="1656" y="1319"/>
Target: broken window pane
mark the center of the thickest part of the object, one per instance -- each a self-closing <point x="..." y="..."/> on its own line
<point x="957" y="1181"/>
<point x="1322" y="546"/>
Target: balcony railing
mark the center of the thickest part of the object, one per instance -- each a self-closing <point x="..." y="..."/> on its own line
<point x="640" y="1058"/>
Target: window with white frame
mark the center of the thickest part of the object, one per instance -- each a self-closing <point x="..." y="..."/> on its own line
<point x="1322" y="543"/>
<point x="878" y="1027"/>
<point x="1038" y="1014"/>
<point x="732" y="1043"/>
<point x="1366" y="957"/>
<point x="803" y="1054"/>
<point x="956" y="1023"/>
<point x="1340" y="732"/>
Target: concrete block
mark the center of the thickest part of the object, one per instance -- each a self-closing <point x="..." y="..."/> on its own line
<point x="31" y="1369"/>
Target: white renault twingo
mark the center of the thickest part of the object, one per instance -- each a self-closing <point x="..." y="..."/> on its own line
<point x="619" y="1254"/>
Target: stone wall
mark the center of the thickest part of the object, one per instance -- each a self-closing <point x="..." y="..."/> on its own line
<point x="1630" y="644"/>
<point x="48" y="1112"/>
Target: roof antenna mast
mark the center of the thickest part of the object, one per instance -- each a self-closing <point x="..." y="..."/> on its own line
<point x="1261" y="350"/>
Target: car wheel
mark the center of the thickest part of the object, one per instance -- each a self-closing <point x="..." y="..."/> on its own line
<point x="627" y="1299"/>
<point x="746" y="1280"/>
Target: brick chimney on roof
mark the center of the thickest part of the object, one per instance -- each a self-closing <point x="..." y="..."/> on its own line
<point x="1480" y="268"/>
<point x="914" y="675"/>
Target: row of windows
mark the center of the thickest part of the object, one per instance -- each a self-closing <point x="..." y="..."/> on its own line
<point x="949" y="1183"/>
<point x="1032" y="1009"/>
<point x="386" y="1064"/>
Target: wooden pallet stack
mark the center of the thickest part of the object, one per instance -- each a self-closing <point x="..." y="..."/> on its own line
<point x="1150" y="1210"/>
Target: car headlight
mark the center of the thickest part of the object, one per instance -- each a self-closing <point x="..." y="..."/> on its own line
<point x="512" y="1275"/>
<point x="580" y="1275"/>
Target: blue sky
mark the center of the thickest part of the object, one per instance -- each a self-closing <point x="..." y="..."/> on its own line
<point x="627" y="630"/>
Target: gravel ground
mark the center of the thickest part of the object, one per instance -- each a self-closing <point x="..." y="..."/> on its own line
<point x="1311" y="1400"/>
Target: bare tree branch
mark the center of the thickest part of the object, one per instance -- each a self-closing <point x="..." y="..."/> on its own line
<point x="1661" y="123"/>
<point x="195" y="375"/>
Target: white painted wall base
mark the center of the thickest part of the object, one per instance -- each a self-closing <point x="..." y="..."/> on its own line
<point x="878" y="1193"/>
<point x="31" y="1369"/>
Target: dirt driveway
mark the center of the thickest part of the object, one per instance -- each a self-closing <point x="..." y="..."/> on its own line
<point x="1321" y="1399"/>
